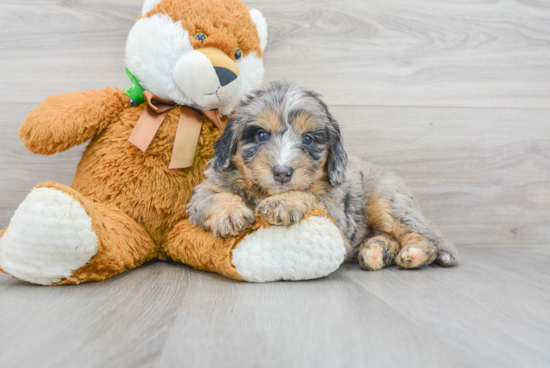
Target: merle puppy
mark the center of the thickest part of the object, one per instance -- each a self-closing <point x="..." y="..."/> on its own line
<point x="281" y="155"/>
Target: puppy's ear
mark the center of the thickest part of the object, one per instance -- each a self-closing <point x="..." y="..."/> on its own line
<point x="224" y="148"/>
<point x="338" y="158"/>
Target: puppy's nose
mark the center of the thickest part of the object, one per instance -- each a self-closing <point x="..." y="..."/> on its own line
<point x="225" y="75"/>
<point x="283" y="174"/>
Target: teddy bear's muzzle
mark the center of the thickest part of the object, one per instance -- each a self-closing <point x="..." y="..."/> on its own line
<point x="208" y="77"/>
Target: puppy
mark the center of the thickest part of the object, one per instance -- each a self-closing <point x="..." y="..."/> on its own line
<point x="281" y="155"/>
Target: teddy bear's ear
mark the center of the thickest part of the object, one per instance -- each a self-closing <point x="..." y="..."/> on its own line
<point x="148" y="5"/>
<point x="261" y="26"/>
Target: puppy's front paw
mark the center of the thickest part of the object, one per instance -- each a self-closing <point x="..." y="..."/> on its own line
<point x="230" y="221"/>
<point x="278" y="212"/>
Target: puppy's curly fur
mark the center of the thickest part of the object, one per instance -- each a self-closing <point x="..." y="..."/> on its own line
<point x="281" y="155"/>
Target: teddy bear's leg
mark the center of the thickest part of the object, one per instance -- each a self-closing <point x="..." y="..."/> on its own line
<point x="57" y="236"/>
<point x="310" y="249"/>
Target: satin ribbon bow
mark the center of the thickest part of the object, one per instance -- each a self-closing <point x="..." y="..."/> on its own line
<point x="187" y="134"/>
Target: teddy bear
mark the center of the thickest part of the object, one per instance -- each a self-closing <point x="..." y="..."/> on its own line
<point x="190" y="63"/>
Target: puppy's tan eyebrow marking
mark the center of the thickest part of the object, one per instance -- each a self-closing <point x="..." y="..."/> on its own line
<point x="269" y="120"/>
<point x="304" y="122"/>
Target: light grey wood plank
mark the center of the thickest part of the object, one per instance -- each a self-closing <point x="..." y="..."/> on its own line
<point x="491" y="311"/>
<point x="497" y="298"/>
<point x="426" y="53"/>
<point x="121" y="322"/>
<point x="325" y="323"/>
<point x="51" y="47"/>
<point x="482" y="175"/>
<point x="421" y="53"/>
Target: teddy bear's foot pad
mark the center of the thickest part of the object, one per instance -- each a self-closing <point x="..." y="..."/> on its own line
<point x="49" y="237"/>
<point x="307" y="250"/>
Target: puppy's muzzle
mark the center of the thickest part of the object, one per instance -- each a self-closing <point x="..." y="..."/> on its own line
<point x="283" y="174"/>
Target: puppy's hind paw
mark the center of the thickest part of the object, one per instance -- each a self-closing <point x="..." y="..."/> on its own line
<point x="416" y="257"/>
<point x="371" y="258"/>
<point x="377" y="253"/>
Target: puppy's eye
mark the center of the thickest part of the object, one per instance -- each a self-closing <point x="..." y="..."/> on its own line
<point x="200" y="36"/>
<point x="307" y="139"/>
<point x="262" y="136"/>
<point x="238" y="54"/>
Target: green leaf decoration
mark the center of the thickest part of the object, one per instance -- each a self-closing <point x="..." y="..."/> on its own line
<point x="135" y="92"/>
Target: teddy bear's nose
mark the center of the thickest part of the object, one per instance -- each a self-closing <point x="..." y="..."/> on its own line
<point x="225" y="75"/>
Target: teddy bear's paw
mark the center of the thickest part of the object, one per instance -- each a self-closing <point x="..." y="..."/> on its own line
<point x="415" y="257"/>
<point x="310" y="249"/>
<point x="277" y="212"/>
<point x="231" y="222"/>
<point x="49" y="237"/>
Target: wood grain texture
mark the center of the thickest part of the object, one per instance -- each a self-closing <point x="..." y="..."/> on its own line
<point x="107" y="324"/>
<point x="484" y="53"/>
<point x="492" y="311"/>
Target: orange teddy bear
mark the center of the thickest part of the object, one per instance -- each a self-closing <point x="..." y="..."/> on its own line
<point x="191" y="62"/>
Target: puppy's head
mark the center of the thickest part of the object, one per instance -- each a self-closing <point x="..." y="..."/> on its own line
<point x="282" y="138"/>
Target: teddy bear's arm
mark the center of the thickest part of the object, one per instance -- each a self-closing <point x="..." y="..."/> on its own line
<point x="70" y="119"/>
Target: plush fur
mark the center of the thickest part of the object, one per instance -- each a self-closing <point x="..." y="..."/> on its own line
<point x="281" y="155"/>
<point x="55" y="216"/>
<point x="132" y="202"/>
<point x="162" y="51"/>
<point x="309" y="249"/>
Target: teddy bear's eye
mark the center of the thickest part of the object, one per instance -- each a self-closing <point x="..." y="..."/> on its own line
<point x="200" y="36"/>
<point x="238" y="54"/>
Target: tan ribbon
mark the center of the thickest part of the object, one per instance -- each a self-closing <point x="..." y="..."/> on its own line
<point x="187" y="134"/>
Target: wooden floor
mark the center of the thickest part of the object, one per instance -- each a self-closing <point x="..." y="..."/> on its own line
<point x="452" y="95"/>
<point x="490" y="312"/>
